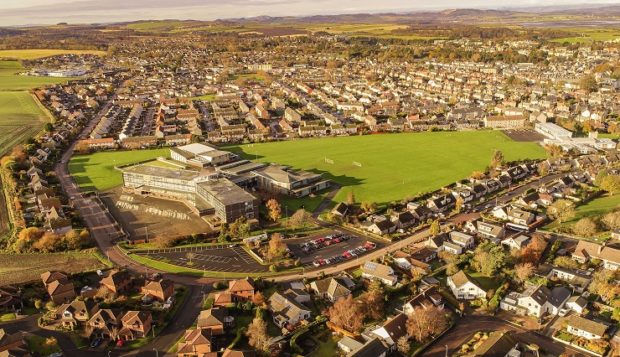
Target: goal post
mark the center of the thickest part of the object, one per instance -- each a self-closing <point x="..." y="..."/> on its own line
<point x="329" y="161"/>
<point x="358" y="164"/>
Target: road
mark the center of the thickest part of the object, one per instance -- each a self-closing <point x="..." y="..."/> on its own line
<point x="468" y="325"/>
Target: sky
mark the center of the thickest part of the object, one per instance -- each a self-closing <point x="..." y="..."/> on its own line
<point x="27" y="12"/>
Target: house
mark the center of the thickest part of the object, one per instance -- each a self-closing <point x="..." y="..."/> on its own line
<point x="372" y="348"/>
<point x="423" y="254"/>
<point x="577" y="304"/>
<point x="499" y="343"/>
<point x="13" y="345"/>
<point x="159" y="290"/>
<point x="490" y="231"/>
<point x="464" y="288"/>
<point x="341" y="210"/>
<point x="348" y="344"/>
<point x="516" y="242"/>
<point x="10" y="298"/>
<point x="393" y="329"/>
<point x="381" y="272"/>
<point x="536" y="300"/>
<point x="196" y="343"/>
<point x="576" y="278"/>
<point x="296" y="290"/>
<point x="442" y="203"/>
<point x="287" y="312"/>
<point x="241" y="289"/>
<point x="214" y="319"/>
<point x="403" y="220"/>
<point x="461" y="239"/>
<point x="117" y="281"/>
<point x="332" y="289"/>
<point x="233" y="353"/>
<point x="382" y="227"/>
<point x="520" y="217"/>
<point x="588" y="250"/>
<point x="76" y="313"/>
<point x="135" y="324"/>
<point x="427" y="297"/>
<point x="582" y="327"/>
<point x="58" y="286"/>
<point x="105" y="323"/>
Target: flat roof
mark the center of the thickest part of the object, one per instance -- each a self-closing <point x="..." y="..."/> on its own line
<point x="196" y="148"/>
<point x="150" y="170"/>
<point x="226" y="191"/>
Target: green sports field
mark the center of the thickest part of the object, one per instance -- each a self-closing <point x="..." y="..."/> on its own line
<point x="393" y="166"/>
<point x="96" y="171"/>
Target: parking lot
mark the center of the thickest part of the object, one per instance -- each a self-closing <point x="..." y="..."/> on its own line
<point x="326" y="250"/>
<point x="212" y="258"/>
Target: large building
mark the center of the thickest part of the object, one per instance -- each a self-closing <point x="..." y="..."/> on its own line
<point x="205" y="190"/>
<point x="200" y="155"/>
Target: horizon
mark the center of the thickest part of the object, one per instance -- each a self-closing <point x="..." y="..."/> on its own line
<point x="14" y="13"/>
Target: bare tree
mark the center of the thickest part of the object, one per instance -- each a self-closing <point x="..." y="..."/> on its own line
<point x="425" y="322"/>
<point x="346" y="314"/>
<point x="257" y="335"/>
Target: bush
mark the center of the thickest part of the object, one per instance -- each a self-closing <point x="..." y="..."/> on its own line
<point x="273" y="268"/>
<point x="218" y="285"/>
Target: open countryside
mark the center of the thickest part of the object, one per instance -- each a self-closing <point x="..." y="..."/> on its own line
<point x="40" y="53"/>
<point x="393" y="166"/>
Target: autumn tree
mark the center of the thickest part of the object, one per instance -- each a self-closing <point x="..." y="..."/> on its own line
<point x="603" y="284"/>
<point x="368" y="207"/>
<point x="350" y="198"/>
<point x="190" y="256"/>
<point x="435" y="228"/>
<point x="524" y="271"/>
<point x="277" y="248"/>
<point x="239" y="229"/>
<point x="585" y="227"/>
<point x="533" y="251"/>
<point x="403" y="346"/>
<point x="554" y="151"/>
<point x="488" y="258"/>
<point x="588" y="83"/>
<point x="258" y="299"/>
<point x="49" y="242"/>
<point x="561" y="210"/>
<point x="275" y="210"/>
<point x="497" y="160"/>
<point x="611" y="220"/>
<point x="425" y="322"/>
<point x="477" y="175"/>
<point x="257" y="335"/>
<point x="611" y="184"/>
<point x="566" y="262"/>
<point x="458" y="205"/>
<point x="374" y="300"/>
<point x="300" y="219"/>
<point x="346" y="314"/>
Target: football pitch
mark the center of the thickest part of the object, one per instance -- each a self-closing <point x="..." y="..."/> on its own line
<point x="389" y="167"/>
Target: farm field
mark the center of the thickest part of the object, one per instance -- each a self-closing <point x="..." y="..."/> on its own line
<point x="40" y="53"/>
<point x="96" y="171"/>
<point x="10" y="80"/>
<point x="585" y="35"/>
<point x="21" y="268"/>
<point x="393" y="166"/>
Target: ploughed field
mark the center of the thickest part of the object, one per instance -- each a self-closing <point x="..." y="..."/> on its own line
<point x="389" y="167"/>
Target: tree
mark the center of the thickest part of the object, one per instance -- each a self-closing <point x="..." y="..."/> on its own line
<point x="524" y="271"/>
<point x="49" y="127"/>
<point x="258" y="299"/>
<point x="603" y="284"/>
<point x="403" y="346"/>
<point x="368" y="207"/>
<point x="300" y="219"/>
<point x="588" y="83"/>
<point x="345" y="313"/>
<point x="277" y="248"/>
<point x="554" y="151"/>
<point x="425" y="322"/>
<point x="611" y="184"/>
<point x="239" y="229"/>
<point x="458" y="205"/>
<point x="49" y="242"/>
<point x="561" y="210"/>
<point x="477" y="175"/>
<point x="435" y="228"/>
<point x="275" y="210"/>
<point x="374" y="300"/>
<point x="565" y="262"/>
<point x="497" y="160"/>
<point x="190" y="256"/>
<point x="257" y="335"/>
<point x="585" y="227"/>
<point x="350" y="198"/>
<point x="611" y="220"/>
<point x="488" y="258"/>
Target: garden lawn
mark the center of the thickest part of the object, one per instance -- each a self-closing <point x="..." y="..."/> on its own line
<point x="96" y="171"/>
<point x="393" y="166"/>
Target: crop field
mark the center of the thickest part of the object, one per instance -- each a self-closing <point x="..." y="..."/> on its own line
<point x="586" y="35"/>
<point x="40" y="53"/>
<point x="96" y="171"/>
<point x="383" y="168"/>
<point x="21" y="268"/>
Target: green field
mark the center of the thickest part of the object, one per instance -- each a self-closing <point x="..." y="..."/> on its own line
<point x="20" y="116"/>
<point x="40" y="53"/>
<point x="595" y="209"/>
<point x="394" y="166"/>
<point x="96" y="171"/>
<point x="586" y="35"/>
